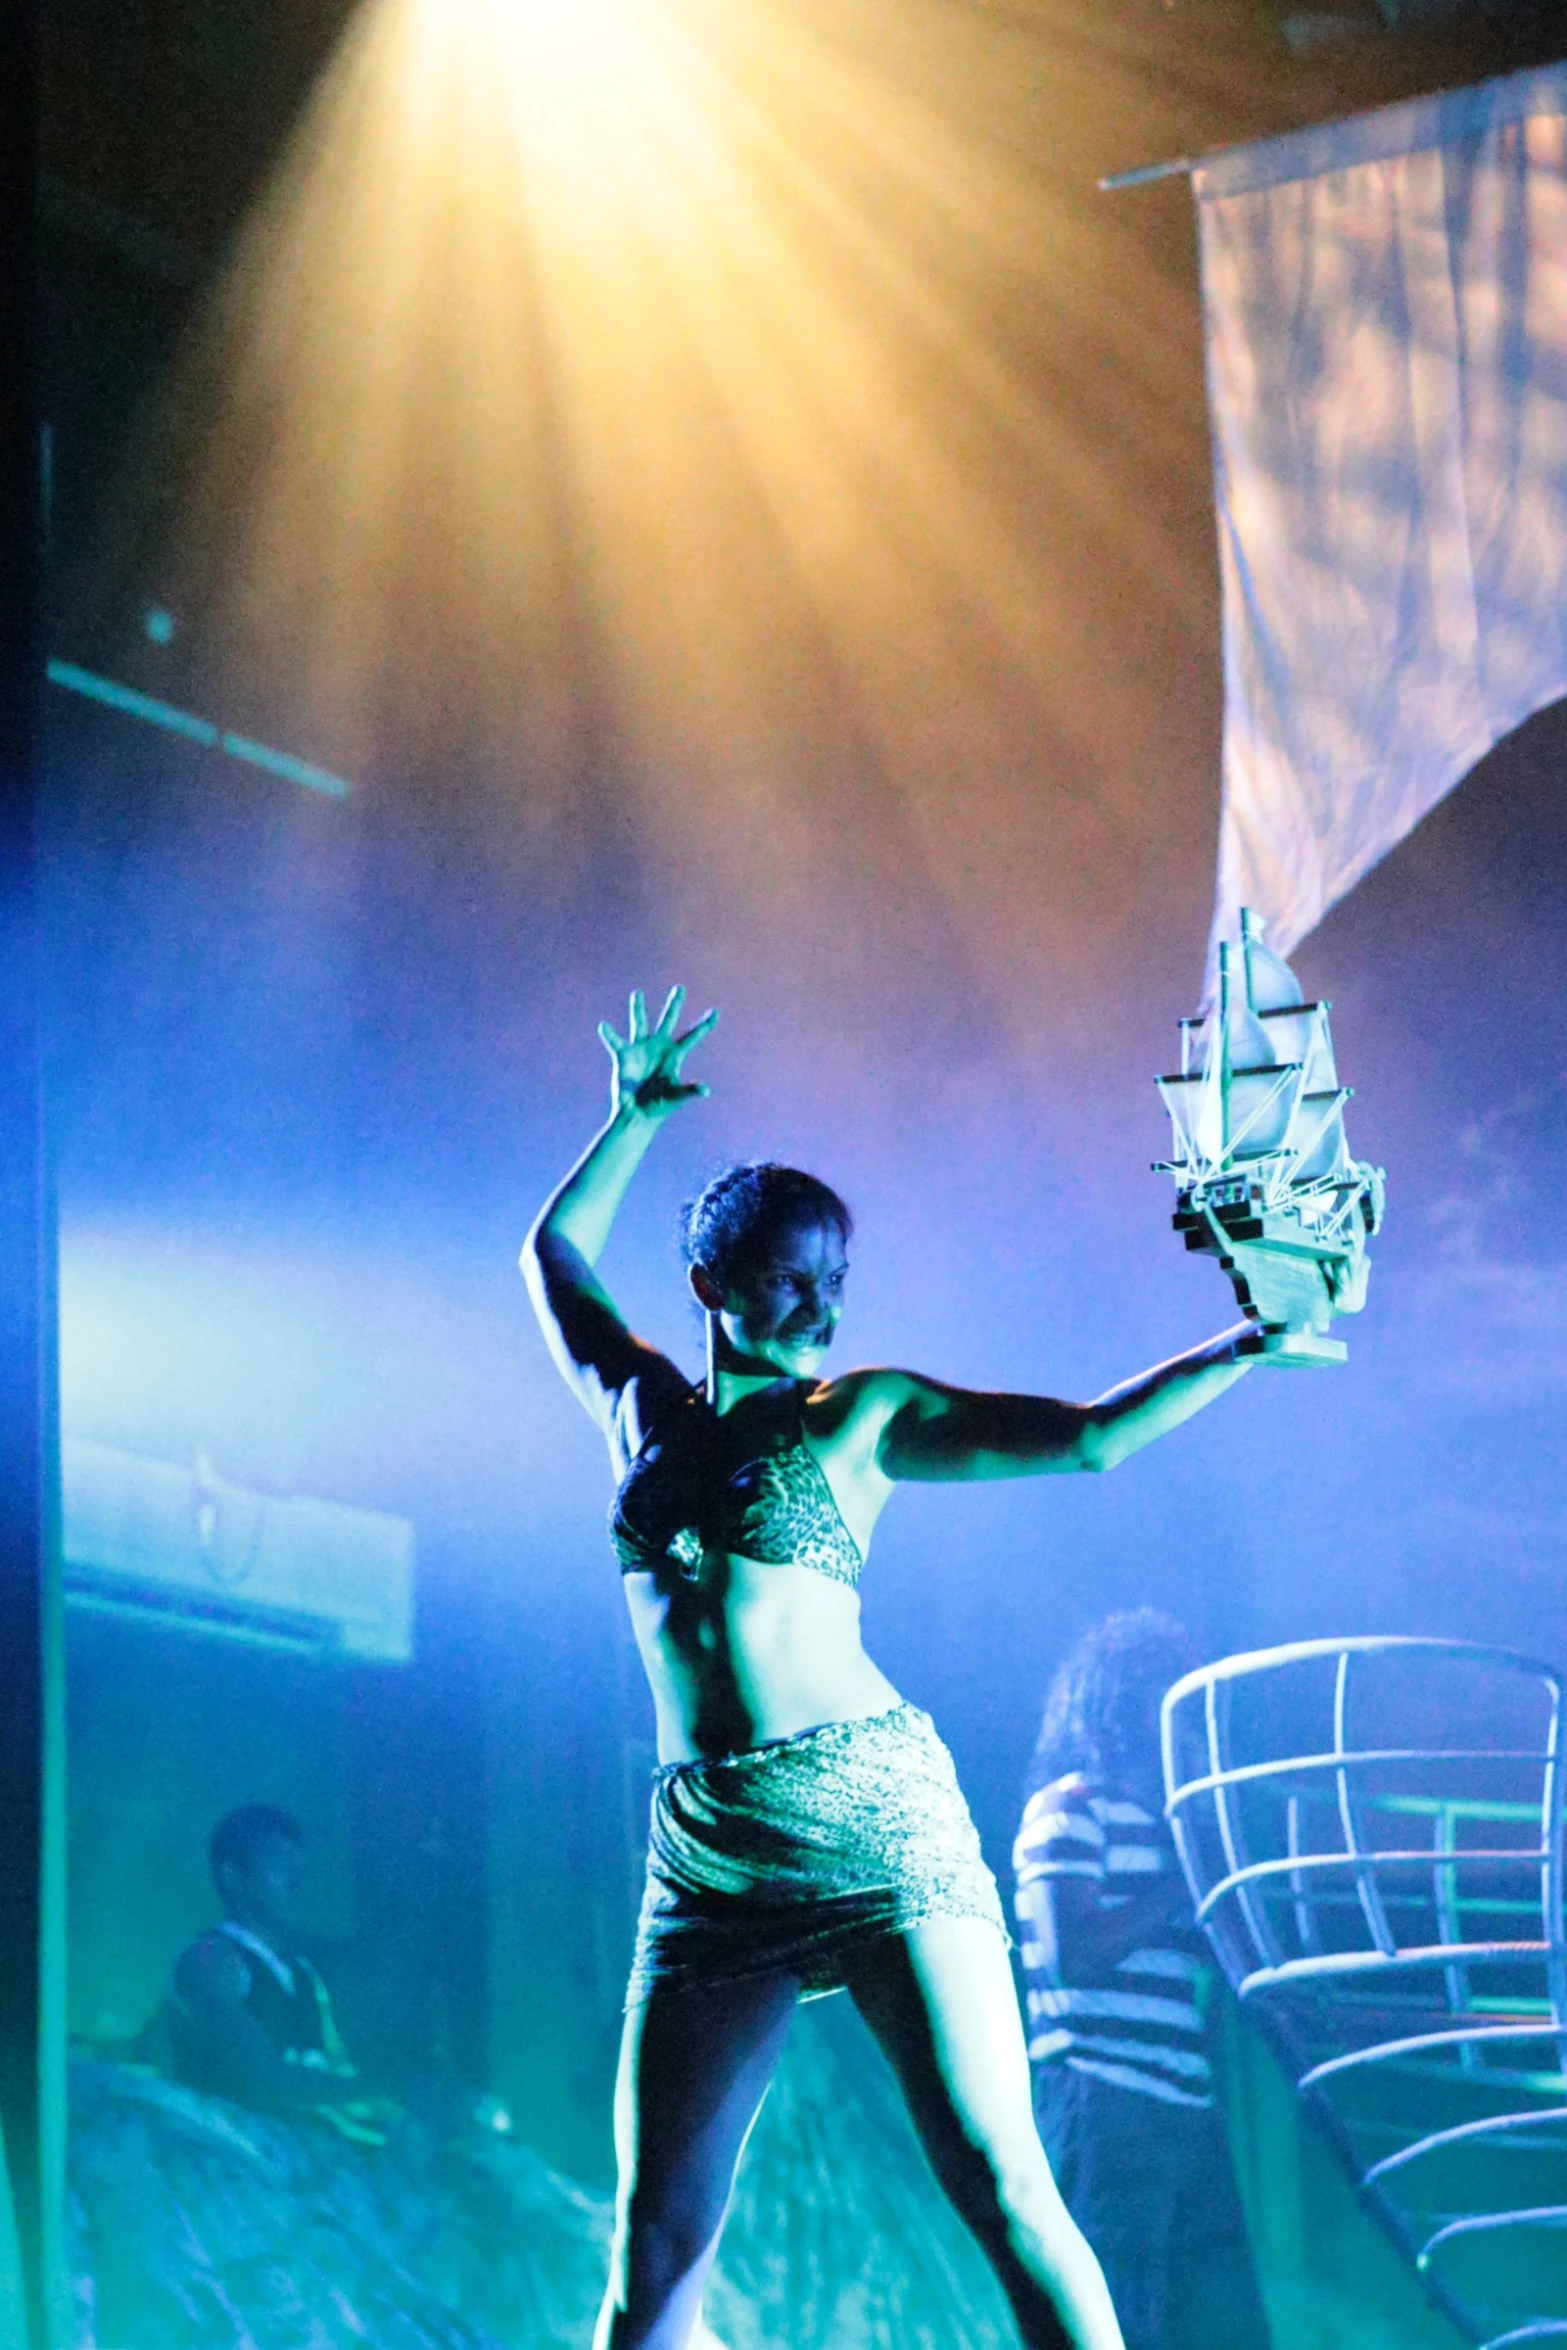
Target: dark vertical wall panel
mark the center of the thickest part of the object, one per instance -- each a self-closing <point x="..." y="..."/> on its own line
<point x="31" y="2047"/>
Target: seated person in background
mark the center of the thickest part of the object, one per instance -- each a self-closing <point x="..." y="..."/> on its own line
<point x="1112" y="1958"/>
<point x="249" y="2017"/>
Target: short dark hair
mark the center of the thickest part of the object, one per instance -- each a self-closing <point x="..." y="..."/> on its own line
<point x="240" y="1834"/>
<point x="1100" y="1696"/>
<point x="724" y="1224"/>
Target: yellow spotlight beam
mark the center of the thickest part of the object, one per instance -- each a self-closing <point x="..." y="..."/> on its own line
<point x="731" y="392"/>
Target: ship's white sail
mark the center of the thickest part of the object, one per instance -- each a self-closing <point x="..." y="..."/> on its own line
<point x="1264" y="1177"/>
<point x="1386" y="319"/>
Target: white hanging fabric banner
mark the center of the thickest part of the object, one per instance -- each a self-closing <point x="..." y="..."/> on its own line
<point x="1386" y="320"/>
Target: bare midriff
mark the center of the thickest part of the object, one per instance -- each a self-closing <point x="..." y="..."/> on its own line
<point x="745" y="1652"/>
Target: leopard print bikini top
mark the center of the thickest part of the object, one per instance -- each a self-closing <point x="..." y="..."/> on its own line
<point x="678" y="1501"/>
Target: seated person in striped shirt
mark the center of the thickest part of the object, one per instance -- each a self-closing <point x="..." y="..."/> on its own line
<point x="1112" y="1958"/>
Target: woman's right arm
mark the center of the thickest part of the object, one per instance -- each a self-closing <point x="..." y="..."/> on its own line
<point x="596" y="1353"/>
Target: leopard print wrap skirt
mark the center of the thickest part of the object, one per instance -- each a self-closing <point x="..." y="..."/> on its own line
<point x="792" y="1856"/>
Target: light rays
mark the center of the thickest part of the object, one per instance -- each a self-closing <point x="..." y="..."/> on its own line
<point x="718" y="405"/>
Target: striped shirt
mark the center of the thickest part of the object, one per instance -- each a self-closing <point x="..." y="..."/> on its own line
<point x="1136" y="2022"/>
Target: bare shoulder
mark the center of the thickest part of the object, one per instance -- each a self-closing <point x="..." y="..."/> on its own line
<point x="853" y="1412"/>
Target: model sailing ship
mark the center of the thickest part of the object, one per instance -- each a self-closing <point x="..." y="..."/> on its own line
<point x="1264" y="1179"/>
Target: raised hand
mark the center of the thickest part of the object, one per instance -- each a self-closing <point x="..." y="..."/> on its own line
<point x="648" y="1062"/>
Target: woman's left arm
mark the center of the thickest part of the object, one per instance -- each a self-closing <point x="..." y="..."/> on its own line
<point x="922" y="1429"/>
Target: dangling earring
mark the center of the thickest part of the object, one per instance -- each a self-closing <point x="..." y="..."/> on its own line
<point x="710" y="1321"/>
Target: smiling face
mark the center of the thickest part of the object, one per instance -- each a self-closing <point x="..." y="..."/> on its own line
<point x="780" y="1304"/>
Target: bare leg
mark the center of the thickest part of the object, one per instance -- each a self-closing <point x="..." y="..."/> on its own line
<point x="940" y="2001"/>
<point x="694" y="2068"/>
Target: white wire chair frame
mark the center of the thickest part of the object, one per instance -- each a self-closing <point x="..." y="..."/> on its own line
<point x="1415" y="1991"/>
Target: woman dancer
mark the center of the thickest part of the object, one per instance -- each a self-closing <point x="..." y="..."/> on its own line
<point x="808" y="1832"/>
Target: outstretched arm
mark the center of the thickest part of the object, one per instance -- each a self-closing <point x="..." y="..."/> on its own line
<point x="595" y="1352"/>
<point x="921" y="1429"/>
